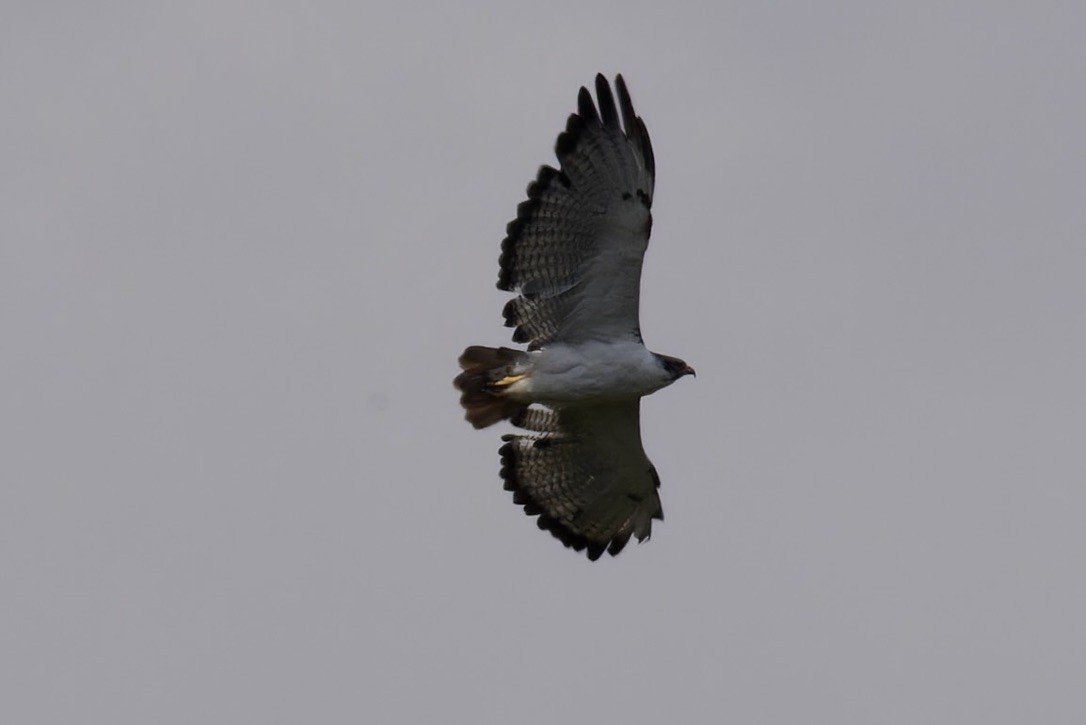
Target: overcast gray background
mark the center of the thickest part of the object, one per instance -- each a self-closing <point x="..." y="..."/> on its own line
<point x="243" y="245"/>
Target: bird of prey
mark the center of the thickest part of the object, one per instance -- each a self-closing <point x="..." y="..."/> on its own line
<point x="574" y="255"/>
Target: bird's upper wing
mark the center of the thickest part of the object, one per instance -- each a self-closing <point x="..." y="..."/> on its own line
<point x="574" y="252"/>
<point x="585" y="474"/>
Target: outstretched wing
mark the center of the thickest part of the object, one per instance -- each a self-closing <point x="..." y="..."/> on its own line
<point x="585" y="474"/>
<point x="574" y="252"/>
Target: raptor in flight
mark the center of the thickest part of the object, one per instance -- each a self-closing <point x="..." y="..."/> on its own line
<point x="574" y="255"/>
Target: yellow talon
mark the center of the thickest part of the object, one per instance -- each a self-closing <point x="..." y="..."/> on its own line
<point x="509" y="380"/>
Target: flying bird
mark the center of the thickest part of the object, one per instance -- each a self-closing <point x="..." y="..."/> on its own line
<point x="574" y="256"/>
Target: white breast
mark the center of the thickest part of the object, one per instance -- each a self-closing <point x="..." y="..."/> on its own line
<point x="591" y="371"/>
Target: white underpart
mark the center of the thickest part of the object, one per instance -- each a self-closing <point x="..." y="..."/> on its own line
<point x="590" y="372"/>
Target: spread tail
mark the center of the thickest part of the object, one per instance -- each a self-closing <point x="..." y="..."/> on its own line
<point x="487" y="371"/>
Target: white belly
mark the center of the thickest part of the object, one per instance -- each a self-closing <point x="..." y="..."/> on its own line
<point x="591" y="371"/>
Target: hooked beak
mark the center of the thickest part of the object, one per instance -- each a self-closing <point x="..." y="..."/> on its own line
<point x="689" y="371"/>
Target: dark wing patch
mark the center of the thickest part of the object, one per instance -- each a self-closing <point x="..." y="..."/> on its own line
<point x="585" y="475"/>
<point x="575" y="249"/>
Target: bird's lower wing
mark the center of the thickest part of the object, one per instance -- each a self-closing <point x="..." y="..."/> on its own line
<point x="585" y="474"/>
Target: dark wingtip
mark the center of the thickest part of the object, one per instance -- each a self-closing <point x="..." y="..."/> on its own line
<point x="629" y="118"/>
<point x="646" y="147"/>
<point x="608" y="111"/>
<point x="619" y="543"/>
<point x="587" y="107"/>
<point x="635" y="127"/>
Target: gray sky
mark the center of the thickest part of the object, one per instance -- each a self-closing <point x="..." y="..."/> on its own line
<point x="242" y="245"/>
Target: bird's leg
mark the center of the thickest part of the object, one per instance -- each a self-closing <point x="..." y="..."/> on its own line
<point x="509" y="380"/>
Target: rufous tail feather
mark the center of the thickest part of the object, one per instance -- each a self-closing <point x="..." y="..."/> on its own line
<point x="488" y="371"/>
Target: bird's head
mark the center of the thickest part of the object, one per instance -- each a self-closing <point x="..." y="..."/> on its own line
<point x="675" y="367"/>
